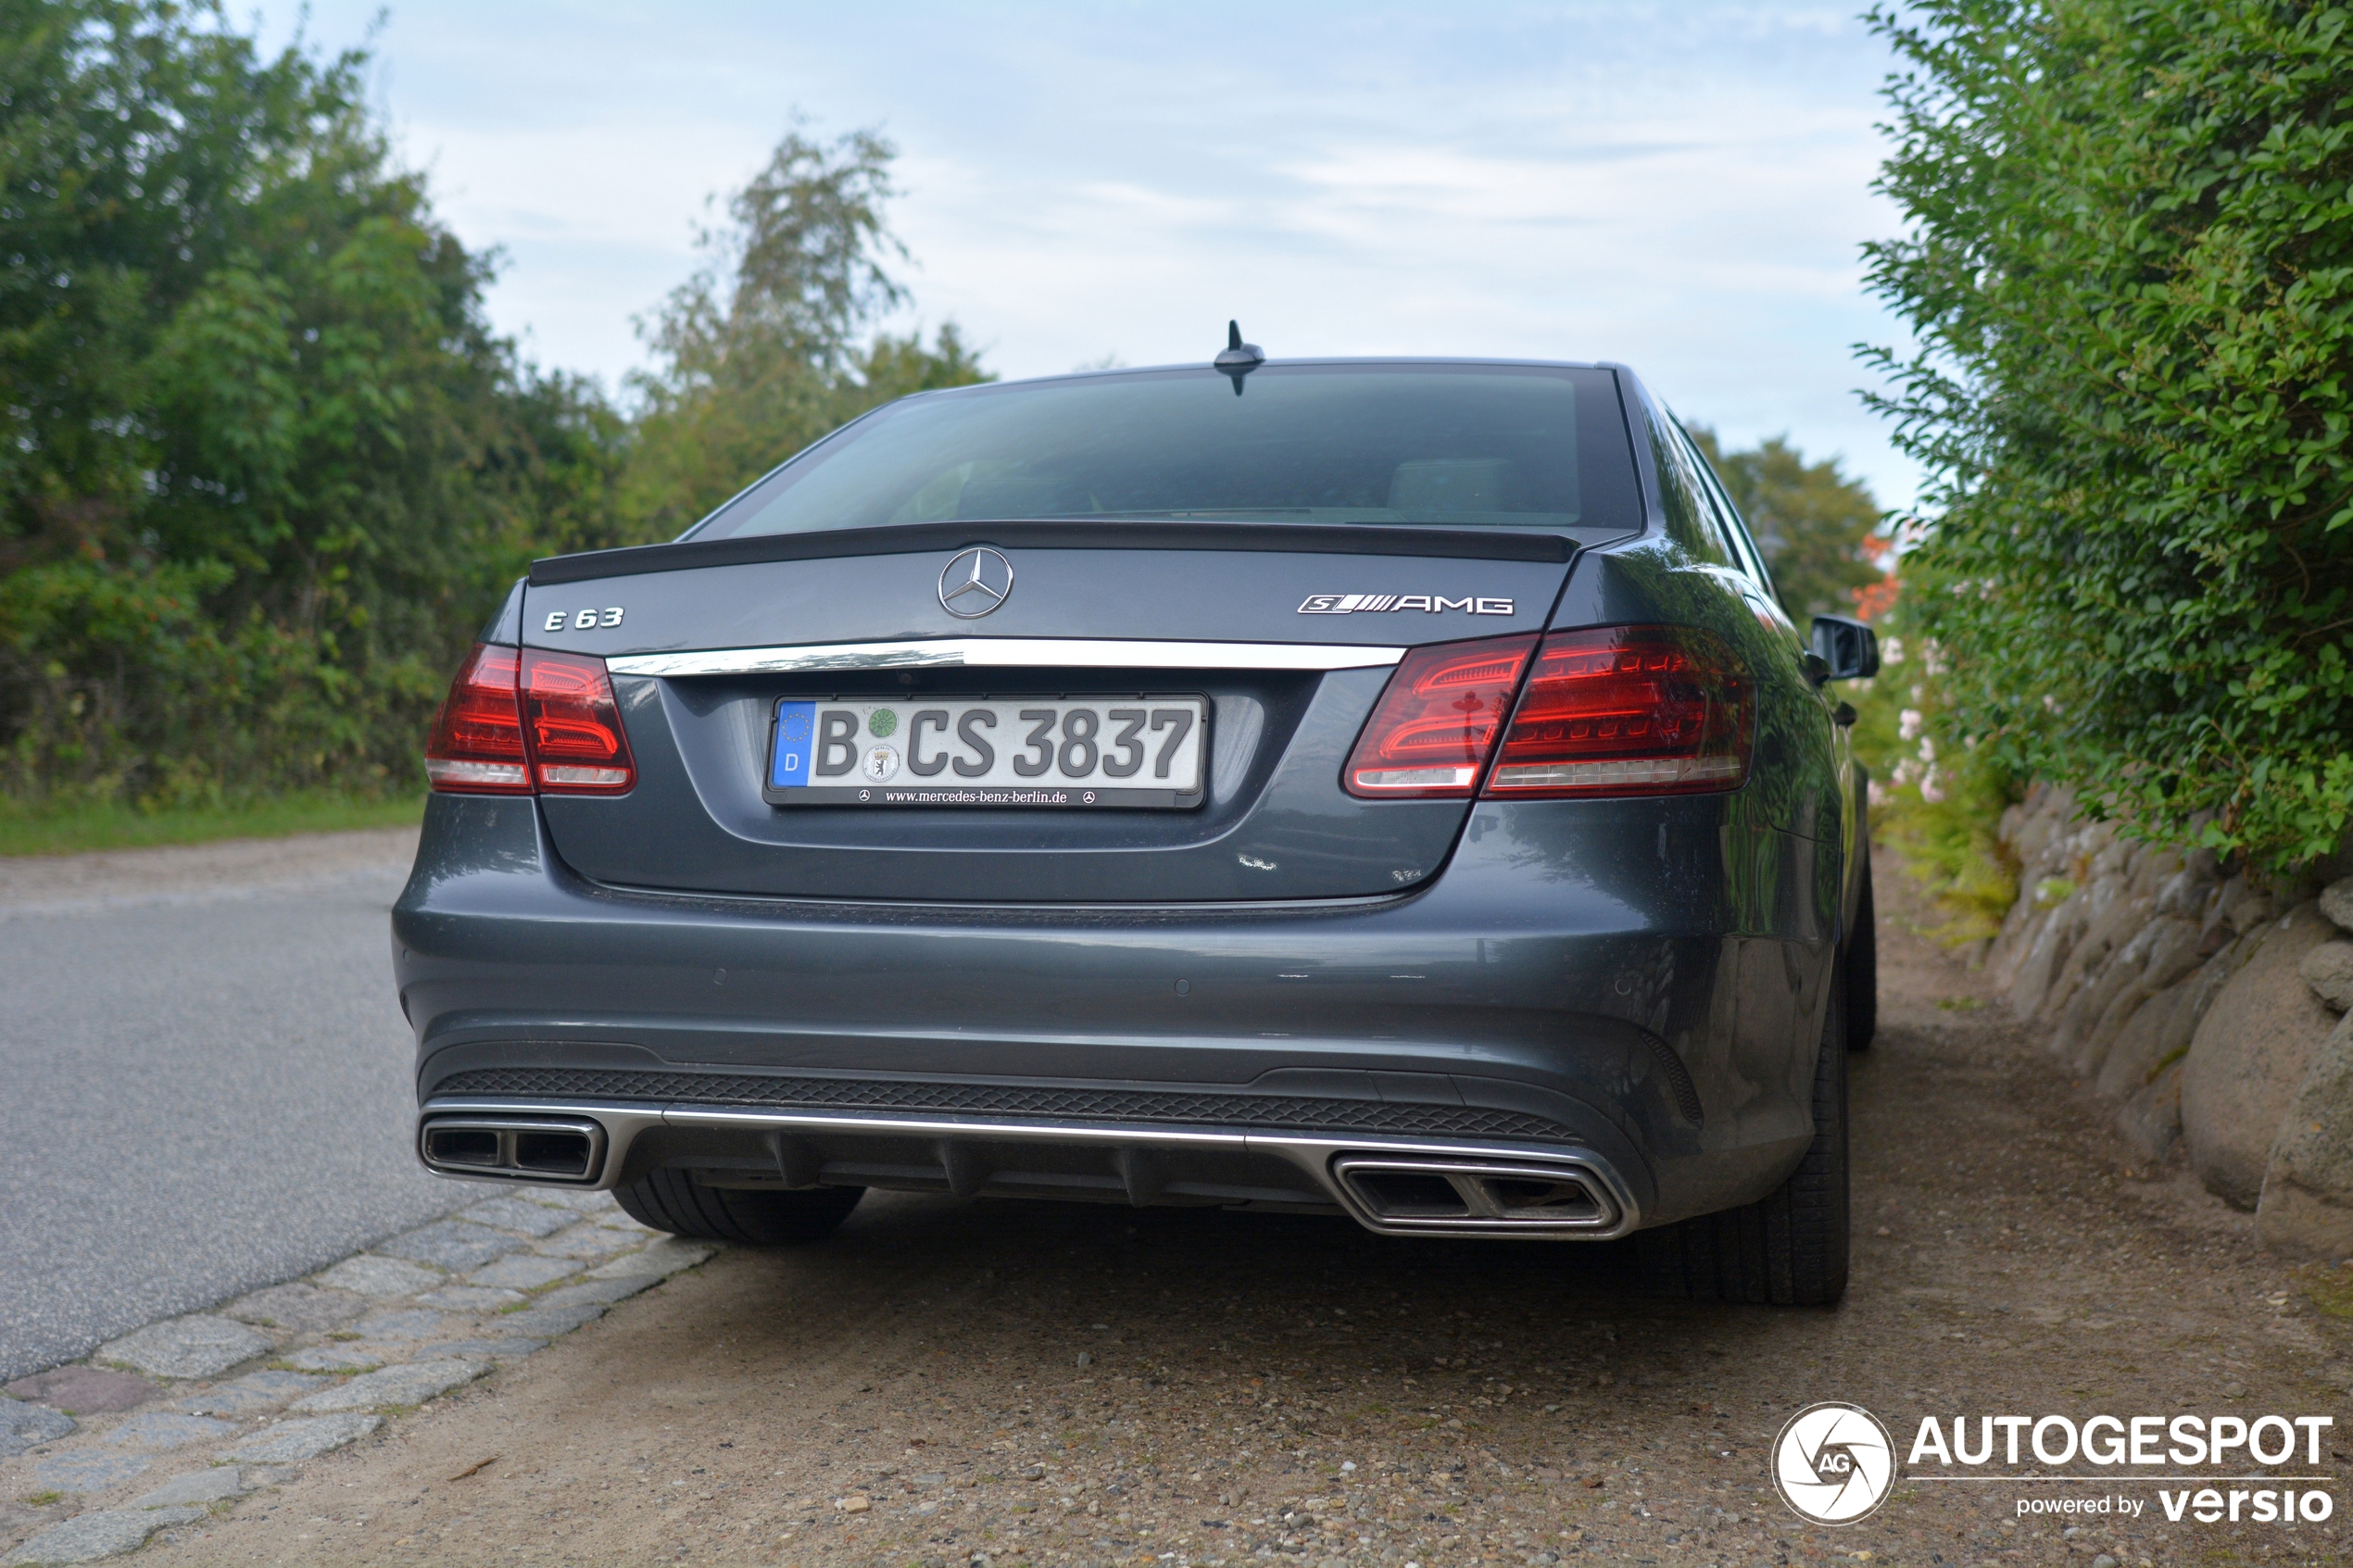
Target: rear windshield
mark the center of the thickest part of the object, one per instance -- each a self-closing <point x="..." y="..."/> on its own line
<point x="1463" y="445"/>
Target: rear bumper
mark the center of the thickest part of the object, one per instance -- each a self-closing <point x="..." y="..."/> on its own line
<point x="1550" y="998"/>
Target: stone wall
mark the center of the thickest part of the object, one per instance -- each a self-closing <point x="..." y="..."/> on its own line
<point x="2214" y="1011"/>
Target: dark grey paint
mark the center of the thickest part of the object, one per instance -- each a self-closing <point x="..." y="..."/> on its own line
<point x="1276" y="823"/>
<point x="1192" y="596"/>
<point x="1533" y="976"/>
<point x="931" y="538"/>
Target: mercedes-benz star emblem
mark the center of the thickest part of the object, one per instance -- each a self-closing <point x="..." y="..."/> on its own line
<point x="976" y="582"/>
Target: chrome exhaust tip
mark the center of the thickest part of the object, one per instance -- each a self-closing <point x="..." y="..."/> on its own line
<point x="1407" y="1195"/>
<point x="513" y="1148"/>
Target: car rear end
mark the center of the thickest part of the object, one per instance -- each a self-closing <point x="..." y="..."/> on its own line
<point x="1318" y="789"/>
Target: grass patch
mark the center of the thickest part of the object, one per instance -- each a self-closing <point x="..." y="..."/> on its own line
<point x="43" y="1499"/>
<point x="2329" y="1289"/>
<point x="67" y="829"/>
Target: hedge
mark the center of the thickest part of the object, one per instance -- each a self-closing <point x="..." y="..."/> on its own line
<point x="2128" y="269"/>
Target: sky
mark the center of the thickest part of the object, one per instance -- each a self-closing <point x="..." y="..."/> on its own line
<point x="1683" y="187"/>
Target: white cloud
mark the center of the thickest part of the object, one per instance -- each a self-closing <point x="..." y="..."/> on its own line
<point x="1681" y="186"/>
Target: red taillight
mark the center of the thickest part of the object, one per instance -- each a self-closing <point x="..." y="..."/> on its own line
<point x="477" y="737"/>
<point x="1429" y="734"/>
<point x="574" y="725"/>
<point x="513" y="715"/>
<point x="1629" y="710"/>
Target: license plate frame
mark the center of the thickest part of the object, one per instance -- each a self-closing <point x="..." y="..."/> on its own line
<point x="866" y="785"/>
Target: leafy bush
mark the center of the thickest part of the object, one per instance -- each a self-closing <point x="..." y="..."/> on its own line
<point x="2130" y="264"/>
<point x="264" y="468"/>
<point x="128" y="687"/>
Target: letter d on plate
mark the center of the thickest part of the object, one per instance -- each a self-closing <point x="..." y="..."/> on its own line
<point x="794" y="722"/>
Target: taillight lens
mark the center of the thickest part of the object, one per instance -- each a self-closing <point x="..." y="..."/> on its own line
<point x="514" y="717"/>
<point x="1629" y="710"/>
<point x="476" y="744"/>
<point x="574" y="725"/>
<point x="1429" y="734"/>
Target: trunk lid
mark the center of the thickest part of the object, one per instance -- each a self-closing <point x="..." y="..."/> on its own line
<point x="1286" y="633"/>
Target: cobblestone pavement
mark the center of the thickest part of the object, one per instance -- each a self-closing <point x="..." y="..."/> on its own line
<point x="947" y="1384"/>
<point x="181" y="1418"/>
<point x="208" y="1082"/>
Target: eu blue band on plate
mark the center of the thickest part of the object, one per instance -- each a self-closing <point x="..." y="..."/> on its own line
<point x="796" y="722"/>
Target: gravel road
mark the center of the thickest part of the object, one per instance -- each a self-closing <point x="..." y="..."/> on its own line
<point x="946" y="1383"/>
<point x="207" y="1080"/>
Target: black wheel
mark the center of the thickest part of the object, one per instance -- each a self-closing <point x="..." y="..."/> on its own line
<point x="1862" y="967"/>
<point x="674" y="1201"/>
<point x="1788" y="1247"/>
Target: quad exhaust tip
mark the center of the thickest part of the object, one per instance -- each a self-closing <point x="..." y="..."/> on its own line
<point x="514" y="1149"/>
<point x="1411" y="1196"/>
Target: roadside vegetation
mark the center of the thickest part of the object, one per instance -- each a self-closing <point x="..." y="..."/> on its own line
<point x="2128" y="265"/>
<point x="264" y="465"/>
<point x="70" y="826"/>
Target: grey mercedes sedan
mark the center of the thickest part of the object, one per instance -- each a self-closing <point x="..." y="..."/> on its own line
<point x="1389" y="789"/>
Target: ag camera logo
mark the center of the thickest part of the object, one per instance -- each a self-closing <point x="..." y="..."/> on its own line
<point x="1833" y="1464"/>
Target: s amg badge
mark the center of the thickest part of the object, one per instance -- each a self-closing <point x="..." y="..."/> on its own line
<point x="1385" y="604"/>
<point x="976" y="582"/>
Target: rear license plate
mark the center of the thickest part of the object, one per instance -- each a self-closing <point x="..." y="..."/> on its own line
<point x="991" y="751"/>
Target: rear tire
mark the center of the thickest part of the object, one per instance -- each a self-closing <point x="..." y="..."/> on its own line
<point x="1862" y="967"/>
<point x="675" y="1201"/>
<point x="1788" y="1247"/>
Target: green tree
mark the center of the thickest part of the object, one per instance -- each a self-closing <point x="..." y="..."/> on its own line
<point x="1817" y="527"/>
<point x="263" y="463"/>
<point x="2129" y="262"/>
<point x="759" y="353"/>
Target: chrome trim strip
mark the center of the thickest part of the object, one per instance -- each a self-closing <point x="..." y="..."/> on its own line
<point x="1314" y="1154"/>
<point x="1007" y="653"/>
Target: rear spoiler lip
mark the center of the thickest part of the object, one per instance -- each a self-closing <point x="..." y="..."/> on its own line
<point x="921" y="538"/>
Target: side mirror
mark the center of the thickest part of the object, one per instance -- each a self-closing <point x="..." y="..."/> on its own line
<point x="1847" y="647"/>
